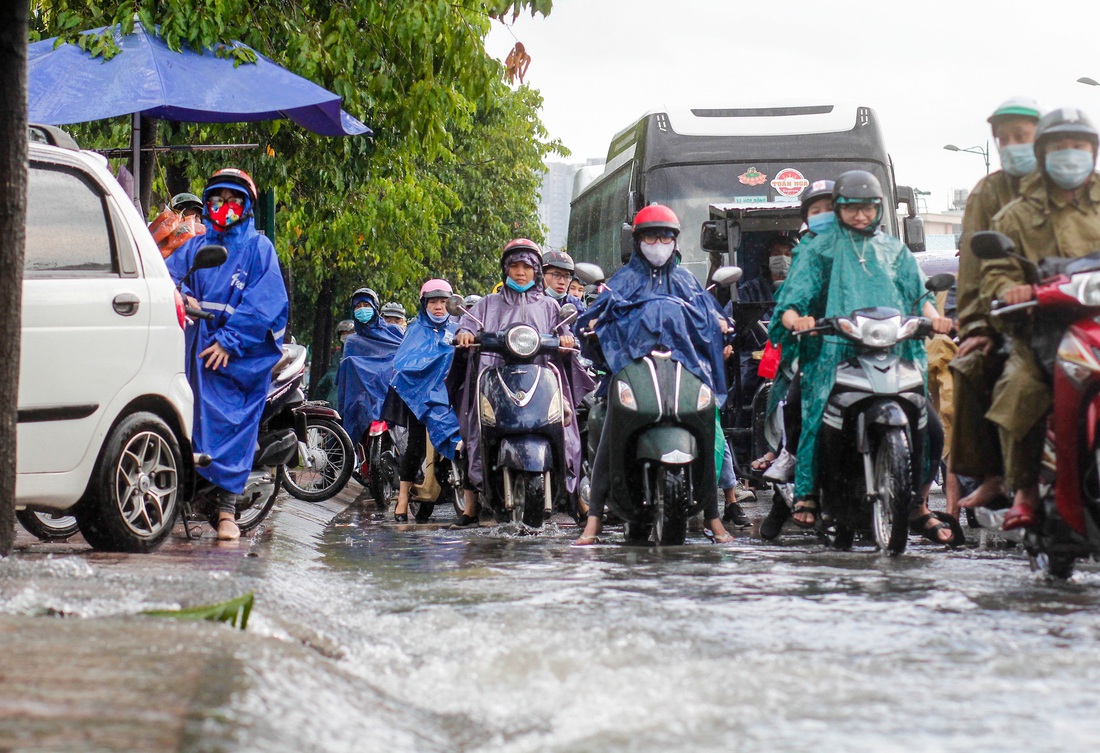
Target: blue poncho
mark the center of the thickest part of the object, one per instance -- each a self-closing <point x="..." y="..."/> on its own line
<point x="645" y="306"/>
<point x="365" y="372"/>
<point x="419" y="377"/>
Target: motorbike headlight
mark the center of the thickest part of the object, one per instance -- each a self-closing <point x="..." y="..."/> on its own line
<point x="705" y="396"/>
<point x="1077" y="360"/>
<point x="523" y="341"/>
<point x="1089" y="290"/>
<point x="553" y="413"/>
<point x="626" y="396"/>
<point x="879" y="333"/>
<point x="488" y="415"/>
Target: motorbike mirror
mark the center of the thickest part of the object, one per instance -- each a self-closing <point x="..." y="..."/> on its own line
<point x="568" y="313"/>
<point x="208" y="257"/>
<point x="939" y="283"/>
<point x="726" y="276"/>
<point x="590" y="274"/>
<point x="456" y="305"/>
<point x="989" y="244"/>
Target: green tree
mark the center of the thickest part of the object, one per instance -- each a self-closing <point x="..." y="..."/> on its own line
<point x="451" y="172"/>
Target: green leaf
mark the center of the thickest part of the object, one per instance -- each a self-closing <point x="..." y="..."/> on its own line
<point x="233" y="612"/>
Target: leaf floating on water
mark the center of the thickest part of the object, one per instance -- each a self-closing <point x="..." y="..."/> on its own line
<point x="234" y="612"/>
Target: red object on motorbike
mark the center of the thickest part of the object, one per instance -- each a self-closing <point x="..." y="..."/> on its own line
<point x="769" y="362"/>
<point x="377" y="428"/>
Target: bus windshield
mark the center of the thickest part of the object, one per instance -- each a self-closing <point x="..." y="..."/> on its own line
<point x="689" y="190"/>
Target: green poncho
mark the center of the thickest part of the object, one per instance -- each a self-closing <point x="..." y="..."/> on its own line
<point x="830" y="280"/>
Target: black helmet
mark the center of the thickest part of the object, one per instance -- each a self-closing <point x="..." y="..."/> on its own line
<point x="819" y="189"/>
<point x="393" y="308"/>
<point x="366" y="294"/>
<point x="558" y="259"/>
<point x="1064" y="121"/>
<point x="182" y="201"/>
<point x="858" y="187"/>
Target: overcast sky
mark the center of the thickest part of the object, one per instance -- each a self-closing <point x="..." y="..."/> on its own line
<point x="932" y="70"/>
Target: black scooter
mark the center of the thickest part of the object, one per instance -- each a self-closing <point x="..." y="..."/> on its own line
<point x="521" y="410"/>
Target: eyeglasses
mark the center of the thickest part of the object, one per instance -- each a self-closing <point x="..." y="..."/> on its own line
<point x="656" y="236"/>
<point x="868" y="209"/>
<point x="556" y="273"/>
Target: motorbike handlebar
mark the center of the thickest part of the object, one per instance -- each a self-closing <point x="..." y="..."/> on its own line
<point x="198" y="313"/>
<point x="1000" y="308"/>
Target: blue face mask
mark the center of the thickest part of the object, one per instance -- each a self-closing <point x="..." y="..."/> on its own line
<point x="364" y="314"/>
<point x="437" y="319"/>
<point x="1069" y="168"/>
<point x="1018" y="159"/>
<point x="820" y="222"/>
<point x="517" y="287"/>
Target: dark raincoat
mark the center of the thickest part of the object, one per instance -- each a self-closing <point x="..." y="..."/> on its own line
<point x="248" y="298"/>
<point x="366" y="370"/>
<point x="498" y="311"/>
<point x="419" y="378"/>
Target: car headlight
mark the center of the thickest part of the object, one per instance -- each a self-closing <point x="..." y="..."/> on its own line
<point x="488" y="415"/>
<point x="705" y="396"/>
<point x="523" y="341"/>
<point x="626" y="396"/>
<point x="879" y="333"/>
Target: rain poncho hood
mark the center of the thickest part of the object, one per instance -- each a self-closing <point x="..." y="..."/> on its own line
<point x="828" y="279"/>
<point x="526" y="256"/>
<point x="419" y="377"/>
<point x="498" y="311"/>
<point x="365" y="372"/>
<point x="363" y="328"/>
<point x="247" y="296"/>
<point x="645" y="306"/>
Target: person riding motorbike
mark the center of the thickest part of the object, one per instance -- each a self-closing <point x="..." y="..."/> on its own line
<point x="232" y="355"/>
<point x="418" y="399"/>
<point x="1057" y="214"/>
<point x="975" y="447"/>
<point x="520" y="299"/>
<point x="632" y="316"/>
<point x="576" y="289"/>
<point x="557" y="273"/>
<point x="852" y="265"/>
<point x="186" y="205"/>
<point x="366" y="368"/>
<point x="394" y="313"/>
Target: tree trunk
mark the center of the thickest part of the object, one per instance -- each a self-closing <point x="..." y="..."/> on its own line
<point x="149" y="128"/>
<point x="321" y="346"/>
<point x="174" y="174"/>
<point x="13" y="211"/>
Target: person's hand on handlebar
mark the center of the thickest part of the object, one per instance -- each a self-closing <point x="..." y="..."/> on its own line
<point x="567" y="341"/>
<point x="192" y="303"/>
<point x="941" y="325"/>
<point x="464" y="339"/>
<point x="1018" y="294"/>
<point x="792" y="321"/>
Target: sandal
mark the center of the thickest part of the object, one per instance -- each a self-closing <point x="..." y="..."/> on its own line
<point x="763" y="462"/>
<point x="1020" y="516"/>
<point x="920" y="526"/>
<point x="725" y="538"/>
<point x="805" y="507"/>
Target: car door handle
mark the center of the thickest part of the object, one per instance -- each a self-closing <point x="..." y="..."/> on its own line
<point x="126" y="304"/>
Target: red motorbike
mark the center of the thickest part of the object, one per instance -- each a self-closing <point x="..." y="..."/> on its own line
<point x="1065" y="337"/>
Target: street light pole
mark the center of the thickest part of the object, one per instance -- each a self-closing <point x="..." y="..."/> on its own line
<point x="973" y="150"/>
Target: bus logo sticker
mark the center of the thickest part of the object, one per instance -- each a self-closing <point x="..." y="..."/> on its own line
<point x="790" y="182"/>
<point x="753" y="178"/>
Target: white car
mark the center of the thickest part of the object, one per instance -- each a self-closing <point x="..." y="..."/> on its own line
<point x="105" y="410"/>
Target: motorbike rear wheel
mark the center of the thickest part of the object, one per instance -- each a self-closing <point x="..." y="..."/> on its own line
<point x="383" y="481"/>
<point x="48" y="526"/>
<point x="893" y="491"/>
<point x="673" y="501"/>
<point x="251" y="517"/>
<point x="334" y="455"/>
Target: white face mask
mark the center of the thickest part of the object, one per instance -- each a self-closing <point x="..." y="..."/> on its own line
<point x="657" y="253"/>
<point x="779" y="266"/>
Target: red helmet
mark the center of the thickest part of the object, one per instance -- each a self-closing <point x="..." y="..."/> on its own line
<point x="656" y="216"/>
<point x="233" y="179"/>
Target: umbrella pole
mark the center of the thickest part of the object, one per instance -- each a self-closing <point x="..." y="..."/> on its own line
<point x="135" y="146"/>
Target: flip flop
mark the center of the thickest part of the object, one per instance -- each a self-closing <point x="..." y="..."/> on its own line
<point x="806" y="506"/>
<point x="920" y="526"/>
<point x="1020" y="516"/>
<point x="762" y="463"/>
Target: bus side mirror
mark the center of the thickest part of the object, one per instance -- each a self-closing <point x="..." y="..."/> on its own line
<point x="908" y="197"/>
<point x="913" y="231"/>
<point x="626" y="242"/>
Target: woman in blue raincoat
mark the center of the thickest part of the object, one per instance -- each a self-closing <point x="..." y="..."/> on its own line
<point x="422" y="402"/>
<point x="849" y="265"/>
<point x="366" y="367"/>
<point x="230" y="358"/>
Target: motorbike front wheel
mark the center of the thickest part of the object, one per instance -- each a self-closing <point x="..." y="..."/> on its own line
<point x="48" y="526"/>
<point x="383" y="479"/>
<point x="893" y="491"/>
<point x="528" y="498"/>
<point x="332" y="458"/>
<point x="673" y="501"/>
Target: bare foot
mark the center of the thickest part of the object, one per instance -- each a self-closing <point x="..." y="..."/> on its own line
<point x="991" y="489"/>
<point x="227" y="529"/>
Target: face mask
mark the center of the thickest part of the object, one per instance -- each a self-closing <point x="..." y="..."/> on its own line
<point x="364" y="314"/>
<point x="778" y="265"/>
<point x="555" y="294"/>
<point x="517" y="287"/>
<point x="224" y="213"/>
<point x="1069" y="168"/>
<point x="1018" y="159"/>
<point x="820" y="222"/>
<point x="437" y="319"/>
<point x="657" y="254"/>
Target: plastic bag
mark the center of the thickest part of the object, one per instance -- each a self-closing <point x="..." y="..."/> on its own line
<point x="769" y="362"/>
<point x="170" y="230"/>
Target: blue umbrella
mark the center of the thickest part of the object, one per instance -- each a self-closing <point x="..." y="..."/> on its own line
<point x="67" y="85"/>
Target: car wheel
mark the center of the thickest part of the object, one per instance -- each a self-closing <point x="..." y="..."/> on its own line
<point x="48" y="526"/>
<point x="133" y="497"/>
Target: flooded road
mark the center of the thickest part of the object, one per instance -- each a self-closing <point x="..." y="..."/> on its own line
<point x="368" y="635"/>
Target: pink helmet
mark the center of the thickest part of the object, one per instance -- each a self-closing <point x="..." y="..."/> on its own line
<point x="435" y="289"/>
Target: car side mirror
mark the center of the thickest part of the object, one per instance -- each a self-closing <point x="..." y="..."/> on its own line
<point x="727" y="276"/>
<point x="989" y="244"/>
<point x="913" y="230"/>
<point x="589" y="274"/>
<point x="939" y="283"/>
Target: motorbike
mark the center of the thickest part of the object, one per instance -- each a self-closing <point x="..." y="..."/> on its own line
<point x="378" y="459"/>
<point x="522" y="413"/>
<point x="1065" y="338"/>
<point x="661" y="423"/>
<point x="440" y="481"/>
<point x="325" y="459"/>
<point x="872" y="429"/>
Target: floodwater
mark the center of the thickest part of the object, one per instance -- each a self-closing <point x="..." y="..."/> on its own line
<point x="378" y="636"/>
